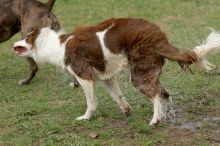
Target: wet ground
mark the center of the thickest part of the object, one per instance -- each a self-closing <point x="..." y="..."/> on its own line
<point x="198" y="121"/>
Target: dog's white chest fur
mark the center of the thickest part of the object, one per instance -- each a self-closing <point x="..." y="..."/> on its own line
<point x="114" y="63"/>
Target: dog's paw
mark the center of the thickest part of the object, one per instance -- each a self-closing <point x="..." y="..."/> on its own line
<point x="126" y="110"/>
<point x="23" y="82"/>
<point x="155" y="121"/>
<point x="83" y="118"/>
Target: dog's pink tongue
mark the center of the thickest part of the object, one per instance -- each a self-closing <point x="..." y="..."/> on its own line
<point x="20" y="49"/>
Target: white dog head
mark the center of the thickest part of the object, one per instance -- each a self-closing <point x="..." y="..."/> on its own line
<point x="25" y="48"/>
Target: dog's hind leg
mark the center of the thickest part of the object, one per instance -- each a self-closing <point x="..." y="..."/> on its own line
<point x="150" y="86"/>
<point x="145" y="74"/>
<point x="116" y="94"/>
<point x="88" y="87"/>
<point x="160" y="107"/>
<point x="33" y="71"/>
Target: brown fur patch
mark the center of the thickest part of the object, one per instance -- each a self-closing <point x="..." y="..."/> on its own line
<point x="31" y="38"/>
<point x="83" y="53"/>
<point x="63" y="38"/>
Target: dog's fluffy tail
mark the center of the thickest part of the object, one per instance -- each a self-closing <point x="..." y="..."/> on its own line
<point x="211" y="45"/>
<point x="197" y="55"/>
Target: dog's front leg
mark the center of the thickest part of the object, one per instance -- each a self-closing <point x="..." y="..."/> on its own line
<point x="88" y="87"/>
<point x="33" y="70"/>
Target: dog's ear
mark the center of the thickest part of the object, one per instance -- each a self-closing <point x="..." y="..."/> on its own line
<point x="32" y="36"/>
<point x="35" y="32"/>
<point x="50" y="4"/>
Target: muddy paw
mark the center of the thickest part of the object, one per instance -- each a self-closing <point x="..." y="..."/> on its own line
<point x="126" y="110"/>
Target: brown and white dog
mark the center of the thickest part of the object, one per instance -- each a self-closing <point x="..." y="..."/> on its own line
<point x="100" y="52"/>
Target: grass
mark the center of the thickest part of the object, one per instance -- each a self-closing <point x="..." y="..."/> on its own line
<point x="43" y="112"/>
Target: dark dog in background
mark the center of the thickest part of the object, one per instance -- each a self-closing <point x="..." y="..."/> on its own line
<point x="25" y="16"/>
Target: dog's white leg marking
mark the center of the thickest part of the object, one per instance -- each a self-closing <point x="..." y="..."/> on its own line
<point x="158" y="110"/>
<point x="116" y="94"/>
<point x="88" y="87"/>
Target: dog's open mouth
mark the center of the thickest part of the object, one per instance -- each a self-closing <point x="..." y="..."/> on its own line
<point x="19" y="50"/>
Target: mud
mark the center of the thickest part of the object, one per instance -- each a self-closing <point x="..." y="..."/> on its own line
<point x="196" y="123"/>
